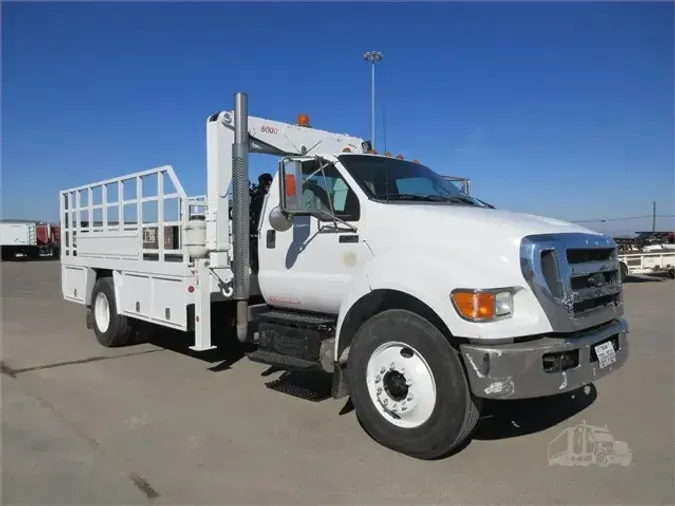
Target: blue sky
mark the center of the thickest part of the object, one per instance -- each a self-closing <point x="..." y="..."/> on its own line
<point x="563" y="110"/>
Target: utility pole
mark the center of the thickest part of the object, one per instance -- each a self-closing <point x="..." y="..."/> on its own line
<point x="654" y="216"/>
<point x="373" y="57"/>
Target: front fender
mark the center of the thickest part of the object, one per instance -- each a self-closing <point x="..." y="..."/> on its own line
<point x="430" y="277"/>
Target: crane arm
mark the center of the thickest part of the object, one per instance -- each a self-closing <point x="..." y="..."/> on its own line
<point x="285" y="139"/>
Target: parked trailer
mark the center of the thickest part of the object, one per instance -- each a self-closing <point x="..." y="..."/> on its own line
<point x="420" y="303"/>
<point x="28" y="239"/>
<point x="653" y="262"/>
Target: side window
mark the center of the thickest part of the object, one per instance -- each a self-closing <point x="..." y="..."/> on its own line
<point x="416" y="186"/>
<point x="325" y="190"/>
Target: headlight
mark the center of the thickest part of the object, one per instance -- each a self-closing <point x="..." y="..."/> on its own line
<point x="483" y="305"/>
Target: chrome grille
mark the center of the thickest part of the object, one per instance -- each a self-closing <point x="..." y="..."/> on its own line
<point x="594" y="280"/>
<point x="575" y="277"/>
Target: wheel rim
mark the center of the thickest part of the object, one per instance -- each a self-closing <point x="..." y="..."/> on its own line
<point x="102" y="312"/>
<point x="401" y="385"/>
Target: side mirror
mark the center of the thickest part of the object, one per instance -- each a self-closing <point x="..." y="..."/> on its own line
<point x="281" y="216"/>
<point x="290" y="177"/>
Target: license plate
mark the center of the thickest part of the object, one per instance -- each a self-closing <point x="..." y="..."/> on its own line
<point x="606" y="354"/>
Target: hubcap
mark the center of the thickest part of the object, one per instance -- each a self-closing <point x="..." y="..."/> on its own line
<point x="102" y="312"/>
<point x="401" y="384"/>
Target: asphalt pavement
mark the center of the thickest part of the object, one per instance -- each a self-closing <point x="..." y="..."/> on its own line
<point x="156" y="424"/>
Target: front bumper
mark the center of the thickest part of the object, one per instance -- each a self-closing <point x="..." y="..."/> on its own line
<point x="543" y="367"/>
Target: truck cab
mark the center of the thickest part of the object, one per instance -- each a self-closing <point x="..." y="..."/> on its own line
<point x="419" y="300"/>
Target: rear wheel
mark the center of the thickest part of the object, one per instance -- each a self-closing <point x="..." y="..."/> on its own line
<point x="408" y="386"/>
<point x="624" y="271"/>
<point x="111" y="329"/>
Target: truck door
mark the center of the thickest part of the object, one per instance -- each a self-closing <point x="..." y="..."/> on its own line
<point x="310" y="265"/>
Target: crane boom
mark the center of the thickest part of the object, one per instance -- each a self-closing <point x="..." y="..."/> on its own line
<point x="286" y="139"/>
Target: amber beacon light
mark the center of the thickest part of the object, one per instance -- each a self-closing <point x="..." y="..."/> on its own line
<point x="303" y="120"/>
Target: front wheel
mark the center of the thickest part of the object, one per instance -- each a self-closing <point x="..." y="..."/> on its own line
<point x="408" y="386"/>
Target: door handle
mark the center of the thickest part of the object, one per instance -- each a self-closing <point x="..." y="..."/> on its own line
<point x="351" y="238"/>
<point x="271" y="239"/>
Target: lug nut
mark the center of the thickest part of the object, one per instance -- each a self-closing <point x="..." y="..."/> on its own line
<point x="378" y="378"/>
<point x="410" y="397"/>
<point x="379" y="390"/>
<point x="385" y="401"/>
<point x="383" y="370"/>
<point x="394" y="407"/>
<point x="404" y="407"/>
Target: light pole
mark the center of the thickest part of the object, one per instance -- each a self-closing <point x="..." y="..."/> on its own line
<point x="373" y="57"/>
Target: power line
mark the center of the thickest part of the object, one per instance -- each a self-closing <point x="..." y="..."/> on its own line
<point x="629" y="218"/>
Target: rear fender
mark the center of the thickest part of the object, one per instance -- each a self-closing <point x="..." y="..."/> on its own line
<point x="92" y="277"/>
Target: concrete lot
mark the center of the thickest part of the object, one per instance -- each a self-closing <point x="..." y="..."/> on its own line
<point x="151" y="424"/>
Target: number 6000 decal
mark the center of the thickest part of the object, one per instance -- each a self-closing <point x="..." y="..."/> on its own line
<point x="269" y="130"/>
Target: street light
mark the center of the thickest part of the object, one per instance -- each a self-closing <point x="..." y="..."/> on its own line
<point x="373" y="57"/>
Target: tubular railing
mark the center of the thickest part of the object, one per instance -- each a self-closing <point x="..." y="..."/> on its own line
<point x="123" y="205"/>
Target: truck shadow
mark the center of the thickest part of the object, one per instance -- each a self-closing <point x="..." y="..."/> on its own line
<point x="499" y="419"/>
<point x="311" y="386"/>
<point x="653" y="278"/>
<point x="228" y="349"/>
<point x="507" y="419"/>
<point x="26" y="259"/>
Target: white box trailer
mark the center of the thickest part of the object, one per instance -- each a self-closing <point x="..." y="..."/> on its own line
<point x="18" y="238"/>
<point x="17" y="234"/>
<point x="28" y="239"/>
<point x="419" y="302"/>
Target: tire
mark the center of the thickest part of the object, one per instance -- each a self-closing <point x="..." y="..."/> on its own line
<point x="602" y="460"/>
<point x="623" y="271"/>
<point x="114" y="330"/>
<point x="671" y="272"/>
<point x="430" y="429"/>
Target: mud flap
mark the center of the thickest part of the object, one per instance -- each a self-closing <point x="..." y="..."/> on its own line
<point x="89" y="318"/>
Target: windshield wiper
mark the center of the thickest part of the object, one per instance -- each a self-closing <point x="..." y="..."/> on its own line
<point x="463" y="200"/>
<point x="412" y="196"/>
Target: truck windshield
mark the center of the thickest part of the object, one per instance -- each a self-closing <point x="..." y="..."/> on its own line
<point x="392" y="179"/>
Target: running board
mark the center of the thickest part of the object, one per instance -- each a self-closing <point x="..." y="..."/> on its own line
<point x="284" y="362"/>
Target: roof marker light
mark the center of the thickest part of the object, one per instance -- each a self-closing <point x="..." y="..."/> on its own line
<point x="303" y="120"/>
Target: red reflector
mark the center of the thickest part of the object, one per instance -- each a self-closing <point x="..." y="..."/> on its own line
<point x="290" y="185"/>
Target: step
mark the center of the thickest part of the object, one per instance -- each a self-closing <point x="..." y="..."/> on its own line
<point x="285" y="362"/>
<point x="296" y="319"/>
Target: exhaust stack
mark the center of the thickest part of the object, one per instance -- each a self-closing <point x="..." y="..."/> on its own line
<point x="240" y="222"/>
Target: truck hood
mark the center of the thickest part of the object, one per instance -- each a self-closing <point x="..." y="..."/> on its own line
<point x="458" y="227"/>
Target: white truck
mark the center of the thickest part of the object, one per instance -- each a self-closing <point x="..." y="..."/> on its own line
<point x="653" y="260"/>
<point x="371" y="268"/>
